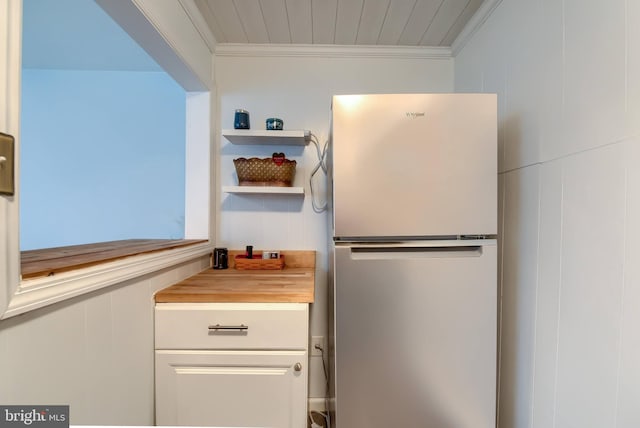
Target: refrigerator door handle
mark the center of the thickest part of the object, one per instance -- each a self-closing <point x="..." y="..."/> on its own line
<point x="419" y="252"/>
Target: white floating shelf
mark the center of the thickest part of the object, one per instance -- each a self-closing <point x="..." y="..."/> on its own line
<point x="271" y="190"/>
<point x="262" y="137"/>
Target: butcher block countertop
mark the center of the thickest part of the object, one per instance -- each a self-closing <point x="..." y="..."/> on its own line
<point x="293" y="284"/>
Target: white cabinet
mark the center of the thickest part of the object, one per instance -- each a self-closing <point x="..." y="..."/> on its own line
<point x="231" y="364"/>
<point x="231" y="388"/>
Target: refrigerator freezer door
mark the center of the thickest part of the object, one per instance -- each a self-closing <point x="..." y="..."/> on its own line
<point x="414" y="165"/>
<point x="415" y="338"/>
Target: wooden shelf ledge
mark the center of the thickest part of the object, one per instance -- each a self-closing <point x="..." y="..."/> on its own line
<point x="50" y="261"/>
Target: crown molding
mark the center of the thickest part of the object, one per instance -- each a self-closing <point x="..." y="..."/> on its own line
<point x="475" y="23"/>
<point x="331" y="51"/>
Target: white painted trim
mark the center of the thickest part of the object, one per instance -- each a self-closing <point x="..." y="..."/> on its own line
<point x="10" y="76"/>
<point x="140" y="19"/>
<point x="475" y="23"/>
<point x="331" y="51"/>
<point x="39" y="292"/>
<point x="171" y="21"/>
<point x="199" y="23"/>
<point x="197" y="166"/>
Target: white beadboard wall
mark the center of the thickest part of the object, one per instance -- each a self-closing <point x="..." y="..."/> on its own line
<point x="298" y="89"/>
<point x="568" y="77"/>
<point x="94" y="352"/>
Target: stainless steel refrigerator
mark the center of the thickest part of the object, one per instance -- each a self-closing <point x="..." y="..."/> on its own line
<point x="413" y="302"/>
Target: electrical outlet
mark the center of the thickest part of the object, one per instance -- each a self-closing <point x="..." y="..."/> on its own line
<point x="317" y="341"/>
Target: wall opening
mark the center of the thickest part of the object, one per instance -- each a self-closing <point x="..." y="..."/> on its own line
<point x="102" y="132"/>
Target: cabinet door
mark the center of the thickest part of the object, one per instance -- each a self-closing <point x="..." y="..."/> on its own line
<point x="231" y="388"/>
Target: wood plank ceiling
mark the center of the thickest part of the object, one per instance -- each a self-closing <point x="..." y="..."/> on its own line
<point x="340" y="22"/>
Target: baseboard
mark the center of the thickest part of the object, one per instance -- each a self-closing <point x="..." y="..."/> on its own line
<point x="317" y="404"/>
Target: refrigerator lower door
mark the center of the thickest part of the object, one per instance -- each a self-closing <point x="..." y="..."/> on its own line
<point x="415" y="336"/>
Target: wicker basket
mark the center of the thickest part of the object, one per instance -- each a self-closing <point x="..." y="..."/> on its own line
<point x="243" y="263"/>
<point x="273" y="171"/>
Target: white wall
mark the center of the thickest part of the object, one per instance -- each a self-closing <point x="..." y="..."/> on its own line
<point x="113" y="167"/>
<point x="298" y="89"/>
<point x="568" y="78"/>
<point x="94" y="353"/>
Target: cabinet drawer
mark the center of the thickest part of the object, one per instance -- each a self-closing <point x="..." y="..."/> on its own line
<point x="231" y="325"/>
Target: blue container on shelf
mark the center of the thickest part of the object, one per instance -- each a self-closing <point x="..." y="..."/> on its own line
<point x="273" y="123"/>
<point x="241" y="119"/>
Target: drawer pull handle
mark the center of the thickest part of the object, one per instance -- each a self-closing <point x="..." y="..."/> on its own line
<point x="297" y="367"/>
<point x="240" y="327"/>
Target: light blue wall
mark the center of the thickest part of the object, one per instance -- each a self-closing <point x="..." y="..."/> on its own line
<point x="77" y="35"/>
<point x="102" y="157"/>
